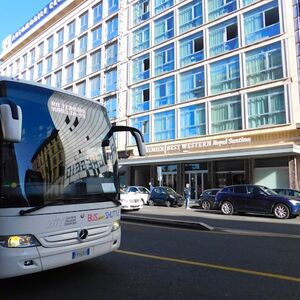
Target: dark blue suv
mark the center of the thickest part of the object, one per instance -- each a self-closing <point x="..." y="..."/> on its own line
<point x="251" y="198"/>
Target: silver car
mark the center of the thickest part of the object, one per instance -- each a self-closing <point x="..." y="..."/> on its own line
<point x="139" y="191"/>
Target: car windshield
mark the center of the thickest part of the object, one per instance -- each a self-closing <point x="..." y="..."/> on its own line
<point x="60" y="155"/>
<point x="144" y="190"/>
<point x="170" y="191"/>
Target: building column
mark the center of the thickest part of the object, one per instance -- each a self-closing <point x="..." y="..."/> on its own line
<point x="294" y="176"/>
<point x="180" y="178"/>
<point x="211" y="174"/>
<point x="153" y="175"/>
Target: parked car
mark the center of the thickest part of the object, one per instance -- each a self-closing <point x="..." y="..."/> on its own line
<point x="139" y="191"/>
<point x="163" y="195"/>
<point x="250" y="198"/>
<point x="288" y="192"/>
<point x="207" y="199"/>
<point x="130" y="201"/>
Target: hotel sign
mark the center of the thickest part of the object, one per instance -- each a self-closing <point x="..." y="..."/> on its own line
<point x="42" y="14"/>
<point x="212" y="144"/>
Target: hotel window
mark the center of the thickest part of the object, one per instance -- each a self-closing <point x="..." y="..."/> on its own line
<point x="32" y="55"/>
<point x="192" y="85"/>
<point x="226" y="115"/>
<point x="97" y="36"/>
<point x="261" y="23"/>
<point x="69" y="89"/>
<point x="49" y="63"/>
<point x="95" y="86"/>
<point x="223" y="37"/>
<point x="192" y="120"/>
<point x="225" y="75"/>
<point x="40" y="69"/>
<point x="191" y="49"/>
<point x="218" y="8"/>
<point x="83" y="44"/>
<point x="48" y="80"/>
<point x="58" y="79"/>
<point x="25" y="57"/>
<point x="82" y="68"/>
<point x="110" y="104"/>
<point x="96" y="61"/>
<point x="140" y="11"/>
<point x="59" y="57"/>
<point x="60" y="37"/>
<point x="50" y="43"/>
<point x="70" y="73"/>
<point x="164" y="126"/>
<point x="142" y="124"/>
<point x="141" y="68"/>
<point x="84" y="22"/>
<point x="97" y="13"/>
<point x="190" y="16"/>
<point x="264" y="64"/>
<point x="160" y="5"/>
<point x="112" y="6"/>
<point x="81" y="88"/>
<point x="164" y="59"/>
<point x="41" y="50"/>
<point x="164" y="28"/>
<point x="71" y="30"/>
<point x="164" y="92"/>
<point x="70" y="51"/>
<point x="141" y="39"/>
<point x="266" y="107"/>
<point x="247" y="2"/>
<point x="140" y="98"/>
<point x="111" y="81"/>
<point x="111" y="54"/>
<point x="112" y="28"/>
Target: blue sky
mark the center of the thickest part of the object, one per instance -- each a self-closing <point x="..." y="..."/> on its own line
<point x="15" y="13"/>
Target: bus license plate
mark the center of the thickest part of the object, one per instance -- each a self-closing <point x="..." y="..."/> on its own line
<point x="81" y="253"/>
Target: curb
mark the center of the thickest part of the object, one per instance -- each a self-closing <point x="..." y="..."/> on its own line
<point x="167" y="222"/>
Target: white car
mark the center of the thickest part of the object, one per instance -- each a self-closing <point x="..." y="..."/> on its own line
<point x="130" y="202"/>
<point x="140" y="192"/>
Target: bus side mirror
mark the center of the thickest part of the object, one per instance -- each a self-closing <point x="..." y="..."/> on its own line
<point x="11" y="120"/>
<point x="135" y="132"/>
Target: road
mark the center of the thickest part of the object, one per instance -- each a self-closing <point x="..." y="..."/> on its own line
<point x="157" y="262"/>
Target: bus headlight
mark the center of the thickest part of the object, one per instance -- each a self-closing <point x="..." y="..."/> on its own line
<point x="116" y="225"/>
<point x="19" y="241"/>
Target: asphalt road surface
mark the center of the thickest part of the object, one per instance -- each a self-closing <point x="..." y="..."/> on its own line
<point x="157" y="262"/>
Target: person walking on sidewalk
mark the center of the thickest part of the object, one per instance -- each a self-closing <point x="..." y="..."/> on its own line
<point x="187" y="196"/>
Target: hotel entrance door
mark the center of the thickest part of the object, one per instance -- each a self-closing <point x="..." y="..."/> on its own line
<point x="197" y="181"/>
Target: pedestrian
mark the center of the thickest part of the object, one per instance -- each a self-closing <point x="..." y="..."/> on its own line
<point x="151" y="187"/>
<point x="187" y="195"/>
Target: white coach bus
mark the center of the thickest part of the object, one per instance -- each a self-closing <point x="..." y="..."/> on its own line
<point x="59" y="187"/>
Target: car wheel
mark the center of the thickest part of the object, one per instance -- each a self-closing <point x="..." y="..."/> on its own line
<point x="281" y="211"/>
<point x="206" y="205"/>
<point x="168" y="203"/>
<point x="227" y="208"/>
<point x="151" y="202"/>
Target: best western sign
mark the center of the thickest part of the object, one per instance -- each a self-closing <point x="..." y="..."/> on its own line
<point x="42" y="14"/>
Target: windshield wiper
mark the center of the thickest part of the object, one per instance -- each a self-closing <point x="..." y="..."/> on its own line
<point x="23" y="212"/>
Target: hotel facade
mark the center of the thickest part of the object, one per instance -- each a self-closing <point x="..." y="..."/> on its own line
<point x="212" y="84"/>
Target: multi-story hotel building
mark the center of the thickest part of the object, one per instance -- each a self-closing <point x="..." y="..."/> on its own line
<point x="212" y="84"/>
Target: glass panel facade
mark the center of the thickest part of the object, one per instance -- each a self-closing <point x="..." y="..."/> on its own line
<point x="225" y="75"/>
<point x="141" y="39"/>
<point x="266" y="108"/>
<point x="60" y="37"/>
<point x="218" y="8"/>
<point x="81" y="88"/>
<point x="164" y="126"/>
<point x="164" y="28"/>
<point x="97" y="36"/>
<point x="226" y="115"/>
<point x="192" y="84"/>
<point x="111" y="80"/>
<point x="190" y="16"/>
<point x="223" y="37"/>
<point x="141" y="68"/>
<point x="97" y="13"/>
<point x="164" y="91"/>
<point x="112" y="28"/>
<point x="95" y="86"/>
<point x="264" y="64"/>
<point x="191" y="49"/>
<point x="71" y="30"/>
<point x="82" y="68"/>
<point x="164" y="59"/>
<point x="140" y="11"/>
<point x="70" y="73"/>
<point x="84" y="20"/>
<point x="160" y="5"/>
<point x="112" y="6"/>
<point x="192" y="120"/>
<point x="143" y="124"/>
<point x="110" y="104"/>
<point x="140" y="98"/>
<point x="111" y="54"/>
<point x="261" y="23"/>
<point x="96" y="61"/>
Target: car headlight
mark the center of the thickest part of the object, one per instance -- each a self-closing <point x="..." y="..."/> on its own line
<point x="172" y="197"/>
<point x="116" y="225"/>
<point x="294" y="202"/>
<point x="19" y="241"/>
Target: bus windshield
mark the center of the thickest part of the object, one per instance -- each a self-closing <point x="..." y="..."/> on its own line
<point x="60" y="157"/>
